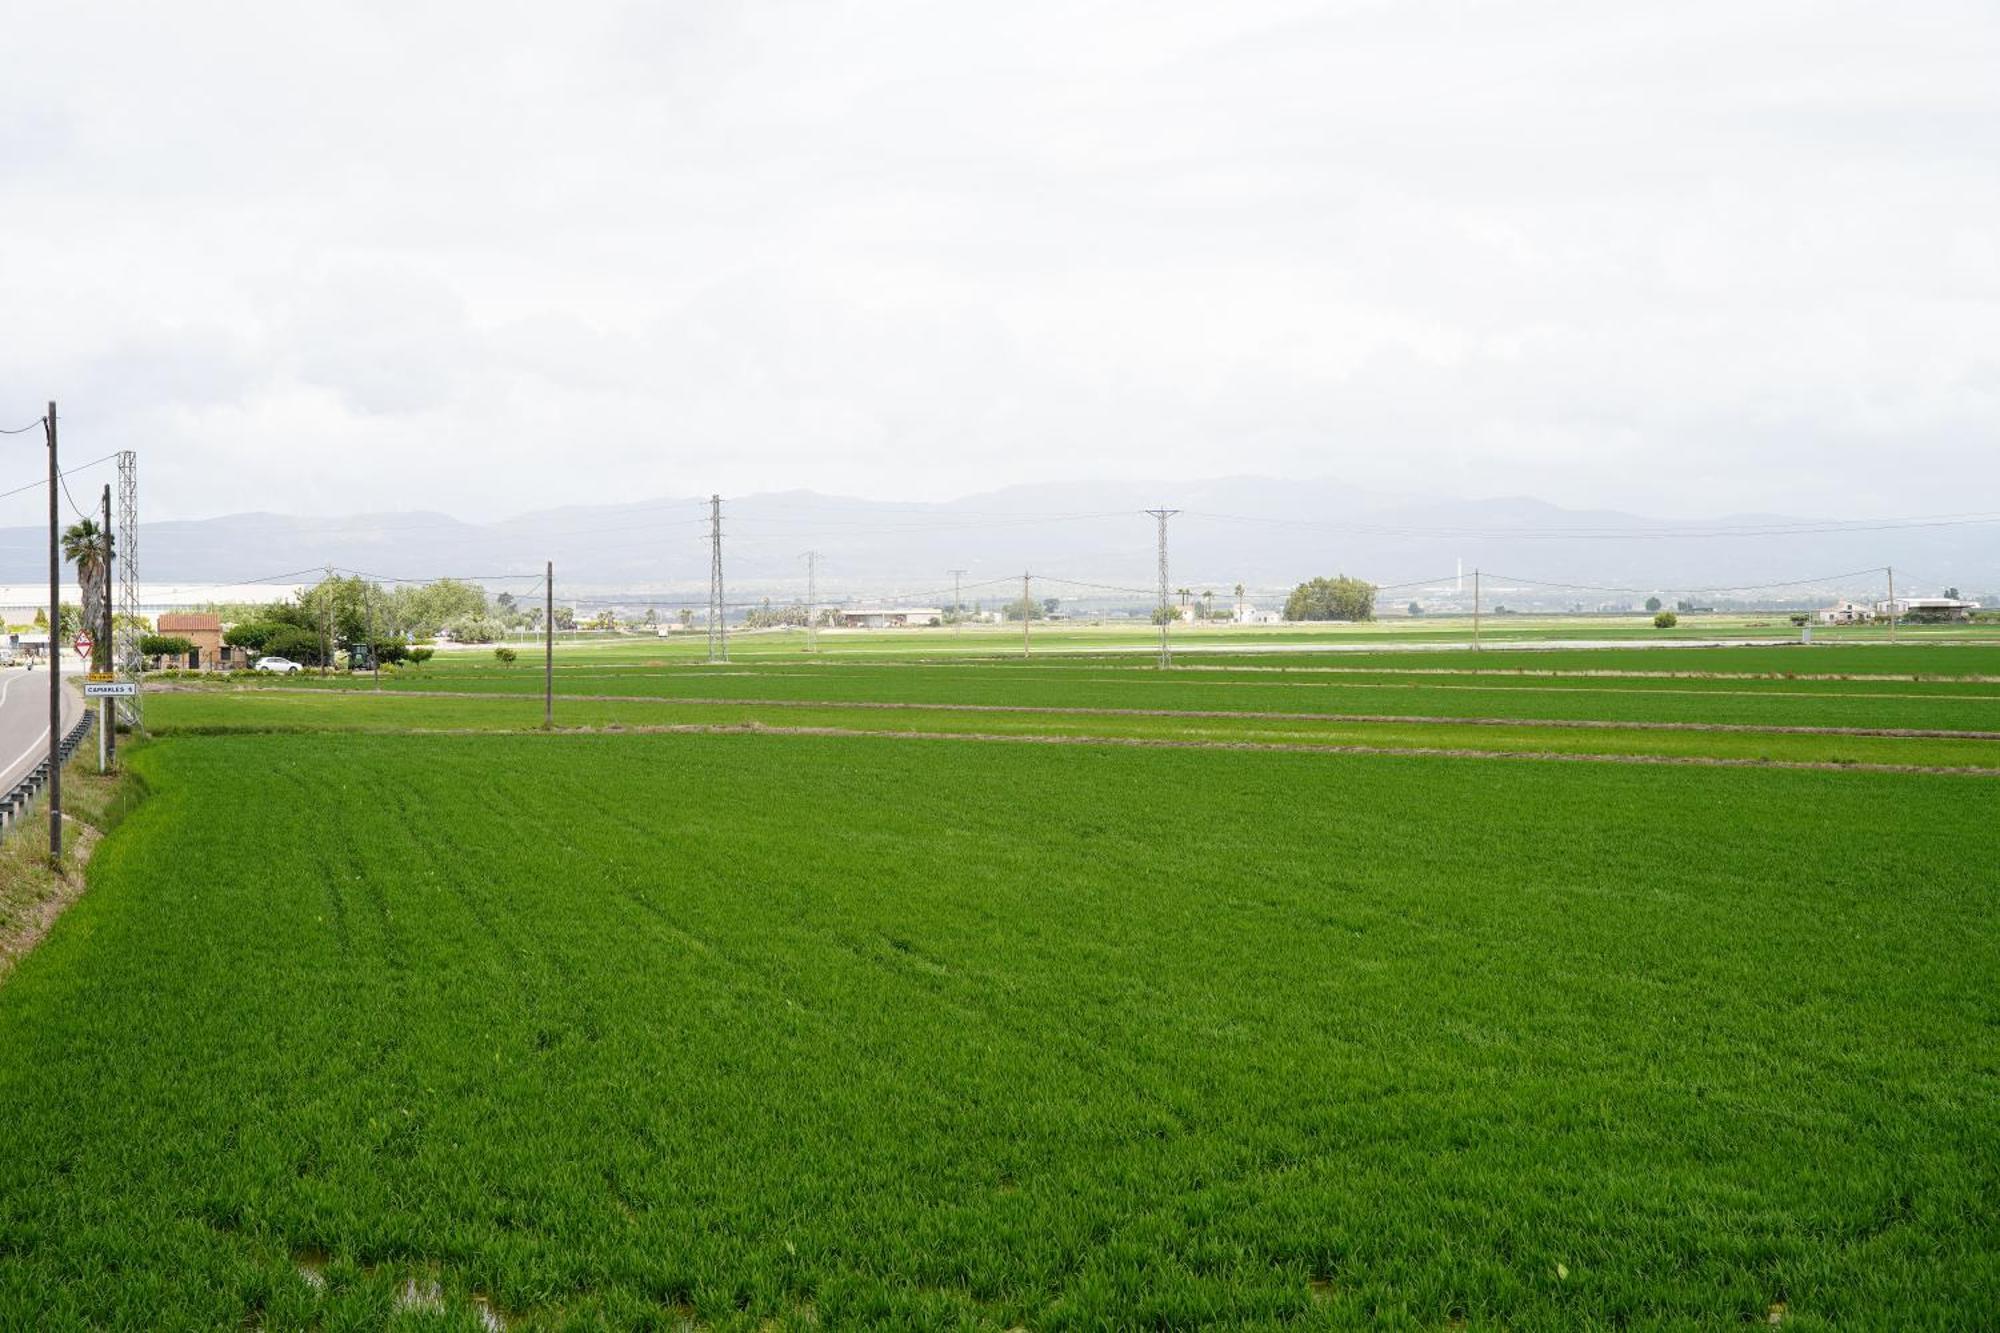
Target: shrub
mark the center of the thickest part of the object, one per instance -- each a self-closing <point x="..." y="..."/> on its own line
<point x="1666" y="620"/>
<point x="165" y="645"/>
<point x="505" y="656"/>
<point x="422" y="655"/>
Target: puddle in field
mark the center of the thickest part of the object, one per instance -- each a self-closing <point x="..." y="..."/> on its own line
<point x="312" y="1266"/>
<point x="424" y="1295"/>
<point x="427" y="1296"/>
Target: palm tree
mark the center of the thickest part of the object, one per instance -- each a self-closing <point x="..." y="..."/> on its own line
<point x="88" y="547"/>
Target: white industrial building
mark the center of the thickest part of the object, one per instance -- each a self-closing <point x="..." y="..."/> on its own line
<point x="1927" y="608"/>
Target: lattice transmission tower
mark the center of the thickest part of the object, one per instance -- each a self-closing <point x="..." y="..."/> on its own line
<point x="718" y="632"/>
<point x="127" y="660"/>
<point x="1165" y="613"/>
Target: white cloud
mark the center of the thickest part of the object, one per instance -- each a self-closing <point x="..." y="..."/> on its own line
<point x="1687" y="258"/>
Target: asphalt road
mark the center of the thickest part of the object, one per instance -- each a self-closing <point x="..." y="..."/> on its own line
<point x="24" y="718"/>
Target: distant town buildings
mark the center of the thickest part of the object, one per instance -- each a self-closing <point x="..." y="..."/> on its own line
<point x="888" y="617"/>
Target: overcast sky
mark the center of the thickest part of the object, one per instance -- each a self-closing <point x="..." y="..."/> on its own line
<point x="1685" y="258"/>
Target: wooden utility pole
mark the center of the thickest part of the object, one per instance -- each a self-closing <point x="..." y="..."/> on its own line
<point x="812" y="601"/>
<point x="55" y="650"/>
<point x="549" y="646"/>
<point x="326" y="624"/>
<point x="1027" y="613"/>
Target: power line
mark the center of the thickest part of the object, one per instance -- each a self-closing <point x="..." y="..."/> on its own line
<point x="439" y="578"/>
<point x="81" y="515"/>
<point x="37" y="485"/>
<point x="1800" y="528"/>
<point x="1722" y="588"/>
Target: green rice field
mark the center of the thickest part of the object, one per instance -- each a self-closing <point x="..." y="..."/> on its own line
<point x="919" y="988"/>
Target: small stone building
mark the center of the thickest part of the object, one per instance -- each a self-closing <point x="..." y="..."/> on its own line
<point x="204" y="631"/>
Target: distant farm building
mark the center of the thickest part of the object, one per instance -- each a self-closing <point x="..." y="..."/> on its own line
<point x="202" y="630"/>
<point x="885" y="617"/>
<point x="1845" y="613"/>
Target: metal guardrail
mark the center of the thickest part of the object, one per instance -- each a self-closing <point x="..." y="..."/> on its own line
<point x="15" y="803"/>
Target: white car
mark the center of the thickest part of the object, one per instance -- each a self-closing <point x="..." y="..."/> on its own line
<point x="284" y="666"/>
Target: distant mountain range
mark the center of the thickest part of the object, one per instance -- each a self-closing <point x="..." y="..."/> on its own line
<point x="1261" y="532"/>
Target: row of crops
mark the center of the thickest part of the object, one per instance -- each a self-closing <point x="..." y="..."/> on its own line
<point x="857" y="1003"/>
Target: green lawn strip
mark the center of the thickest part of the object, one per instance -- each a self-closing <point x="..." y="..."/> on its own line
<point x="215" y="712"/>
<point x="1936" y="658"/>
<point x="586" y="678"/>
<point x="630" y="1029"/>
<point x="1212" y="649"/>
<point x="1835" y="703"/>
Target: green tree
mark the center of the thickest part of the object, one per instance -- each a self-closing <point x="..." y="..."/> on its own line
<point x="343" y="605"/>
<point x="165" y="645"/>
<point x="253" y="635"/>
<point x="774" y="617"/>
<point x="1337" y="598"/>
<point x="300" y="645"/>
<point x="1024" y="606"/>
<point x="473" y="629"/>
<point x="1652" y="603"/>
<point x="421" y="610"/>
